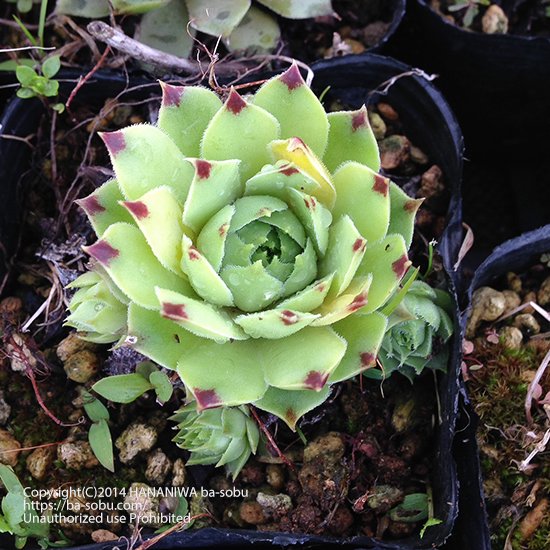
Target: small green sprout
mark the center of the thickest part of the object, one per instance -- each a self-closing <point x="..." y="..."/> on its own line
<point x="99" y="435"/>
<point x="125" y="388"/>
<point x="40" y="85"/>
<point x="418" y="330"/>
<point x="18" y="516"/>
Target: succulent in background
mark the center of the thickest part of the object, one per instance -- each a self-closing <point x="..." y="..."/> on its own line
<point x="241" y="24"/>
<point x="417" y="332"/>
<point x="251" y="245"/>
<point x="225" y="436"/>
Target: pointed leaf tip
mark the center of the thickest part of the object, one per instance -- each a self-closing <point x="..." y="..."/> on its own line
<point x="206" y="399"/>
<point x="381" y="185"/>
<point x="235" y="103"/>
<point x="114" y="141"/>
<point x="174" y="312"/>
<point x="137" y="208"/>
<point x="359" y="119"/>
<point x="203" y="169"/>
<point x="292" y="77"/>
<point x="367" y="359"/>
<point x="171" y="95"/>
<point x="401" y="265"/>
<point x="102" y="251"/>
<point x="91" y="205"/>
<point x="315" y="380"/>
<point x="412" y="205"/>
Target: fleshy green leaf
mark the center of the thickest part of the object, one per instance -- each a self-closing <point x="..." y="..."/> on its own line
<point x="240" y="130"/>
<point x="163" y="386"/>
<point x="91" y="9"/>
<point x="310" y="298"/>
<point x="253" y="208"/>
<point x="299" y="9"/>
<point x="144" y="157"/>
<point x="346" y="248"/>
<point x="257" y="32"/>
<point x="387" y="260"/>
<point x="315" y="218"/>
<point x="211" y="372"/>
<point x="203" y="277"/>
<point x="128" y="260"/>
<point x="165" y="29"/>
<point x="274" y="323"/>
<point x="198" y="317"/>
<point x="363" y="196"/>
<point x="216" y="17"/>
<point x="403" y="210"/>
<point x="302" y="361"/>
<point x="211" y="240"/>
<point x="351" y="138"/>
<point x="364" y="335"/>
<point x="185" y="113"/>
<point x="294" y="150"/>
<point x="122" y="388"/>
<point x="287" y="97"/>
<point x="253" y="288"/>
<point x="101" y="443"/>
<point x="275" y="179"/>
<point x="355" y="298"/>
<point x="102" y="207"/>
<point x="158" y="338"/>
<point x="158" y="216"/>
<point x="304" y="272"/>
<point x="215" y="185"/>
<point x="289" y="405"/>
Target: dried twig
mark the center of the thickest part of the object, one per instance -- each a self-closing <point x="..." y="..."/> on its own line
<point x="534" y="305"/>
<point x="24" y="48"/>
<point x="539" y="448"/>
<point x="118" y="40"/>
<point x="272" y="442"/>
<point x="384" y="88"/>
<point x="83" y="80"/>
<point x="466" y="245"/>
<point x="534" y="383"/>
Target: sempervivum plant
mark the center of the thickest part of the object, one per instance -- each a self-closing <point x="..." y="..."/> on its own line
<point x="250" y="245"/>
<point x="417" y="333"/>
<point x="225" y="436"/>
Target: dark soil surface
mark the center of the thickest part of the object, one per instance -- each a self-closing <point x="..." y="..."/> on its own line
<point x="524" y="17"/>
<point x="503" y="370"/>
<point x="358" y="25"/>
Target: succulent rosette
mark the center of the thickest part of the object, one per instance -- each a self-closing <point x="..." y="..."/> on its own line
<point x="417" y="332"/>
<point x="224" y="436"/>
<point x="249" y="245"/>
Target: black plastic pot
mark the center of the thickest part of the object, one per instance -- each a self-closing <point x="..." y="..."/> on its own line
<point x="497" y="84"/>
<point x="498" y="87"/>
<point x="397" y="8"/>
<point x="513" y="255"/>
<point x="431" y="124"/>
